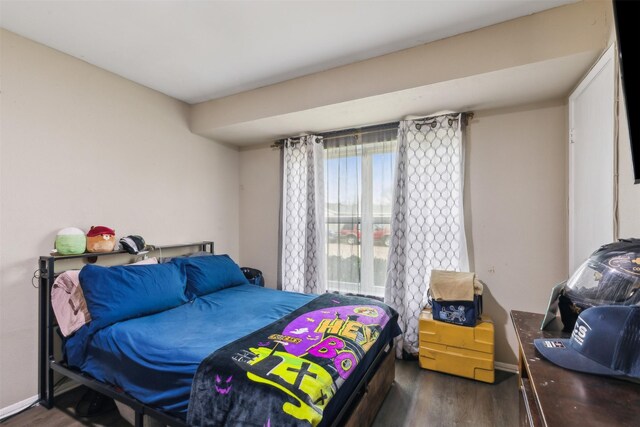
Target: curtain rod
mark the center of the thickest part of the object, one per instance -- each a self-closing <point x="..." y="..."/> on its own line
<point x="430" y="120"/>
<point x="466" y="116"/>
<point x="346" y="132"/>
<point x="359" y="131"/>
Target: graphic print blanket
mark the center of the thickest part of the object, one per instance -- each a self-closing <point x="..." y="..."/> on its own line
<point x="287" y="372"/>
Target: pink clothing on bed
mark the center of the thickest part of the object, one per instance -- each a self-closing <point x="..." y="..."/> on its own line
<point x="68" y="302"/>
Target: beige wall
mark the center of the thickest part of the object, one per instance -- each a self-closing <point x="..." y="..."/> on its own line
<point x="259" y="210"/>
<point x="79" y="147"/>
<point x="516" y="192"/>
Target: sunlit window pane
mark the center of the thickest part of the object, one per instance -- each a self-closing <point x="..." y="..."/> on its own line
<point x="358" y="193"/>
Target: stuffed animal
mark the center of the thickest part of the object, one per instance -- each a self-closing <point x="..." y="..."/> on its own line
<point x="70" y="241"/>
<point x="101" y="239"/>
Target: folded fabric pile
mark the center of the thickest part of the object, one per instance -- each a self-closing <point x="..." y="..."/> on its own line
<point x="456" y="297"/>
<point x="454" y="285"/>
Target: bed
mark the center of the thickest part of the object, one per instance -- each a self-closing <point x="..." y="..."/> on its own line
<point x="220" y="354"/>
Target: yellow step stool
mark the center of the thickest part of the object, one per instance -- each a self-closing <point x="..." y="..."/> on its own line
<point x="459" y="350"/>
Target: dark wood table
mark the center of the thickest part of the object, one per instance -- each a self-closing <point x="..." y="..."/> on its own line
<point x="553" y="396"/>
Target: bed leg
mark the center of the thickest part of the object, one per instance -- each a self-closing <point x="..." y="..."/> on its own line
<point x="45" y="342"/>
<point x="139" y="419"/>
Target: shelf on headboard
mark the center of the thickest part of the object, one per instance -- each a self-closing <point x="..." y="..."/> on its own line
<point x="203" y="245"/>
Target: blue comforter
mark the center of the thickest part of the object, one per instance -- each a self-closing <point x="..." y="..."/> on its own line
<point x="154" y="358"/>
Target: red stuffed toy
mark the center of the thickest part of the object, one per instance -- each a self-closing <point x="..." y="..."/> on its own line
<point x="101" y="239"/>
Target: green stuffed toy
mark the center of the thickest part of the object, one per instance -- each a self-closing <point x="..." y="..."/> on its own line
<point x="71" y="241"/>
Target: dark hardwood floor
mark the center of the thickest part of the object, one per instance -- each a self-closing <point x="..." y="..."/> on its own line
<point x="417" y="398"/>
<point x="63" y="414"/>
<point x="431" y="399"/>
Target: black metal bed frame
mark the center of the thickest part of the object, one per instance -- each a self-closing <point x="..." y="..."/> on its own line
<point x="47" y="324"/>
<point x="47" y="363"/>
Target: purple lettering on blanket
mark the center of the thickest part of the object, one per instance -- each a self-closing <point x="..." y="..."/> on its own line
<point x="332" y="333"/>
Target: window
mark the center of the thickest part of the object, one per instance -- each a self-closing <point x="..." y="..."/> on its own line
<point x="358" y="174"/>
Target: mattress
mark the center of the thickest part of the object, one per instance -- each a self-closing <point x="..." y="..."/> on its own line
<point x="154" y="358"/>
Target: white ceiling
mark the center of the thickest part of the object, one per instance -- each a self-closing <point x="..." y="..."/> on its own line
<point x="201" y="50"/>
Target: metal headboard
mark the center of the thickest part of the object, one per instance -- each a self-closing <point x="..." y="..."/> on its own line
<point x="47" y="363"/>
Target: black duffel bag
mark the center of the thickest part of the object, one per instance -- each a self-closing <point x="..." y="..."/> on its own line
<point x="254" y="276"/>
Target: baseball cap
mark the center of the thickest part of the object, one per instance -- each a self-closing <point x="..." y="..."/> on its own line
<point x="132" y="244"/>
<point x="605" y="341"/>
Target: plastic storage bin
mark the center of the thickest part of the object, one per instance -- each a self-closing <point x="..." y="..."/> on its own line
<point x="458" y="350"/>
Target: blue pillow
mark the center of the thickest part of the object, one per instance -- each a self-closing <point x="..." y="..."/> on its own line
<point x="206" y="274"/>
<point x="124" y="292"/>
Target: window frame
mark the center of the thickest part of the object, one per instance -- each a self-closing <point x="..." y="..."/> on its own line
<point x="366" y="221"/>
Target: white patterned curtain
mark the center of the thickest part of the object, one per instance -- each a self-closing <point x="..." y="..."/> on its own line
<point x="427" y="225"/>
<point x="302" y="263"/>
